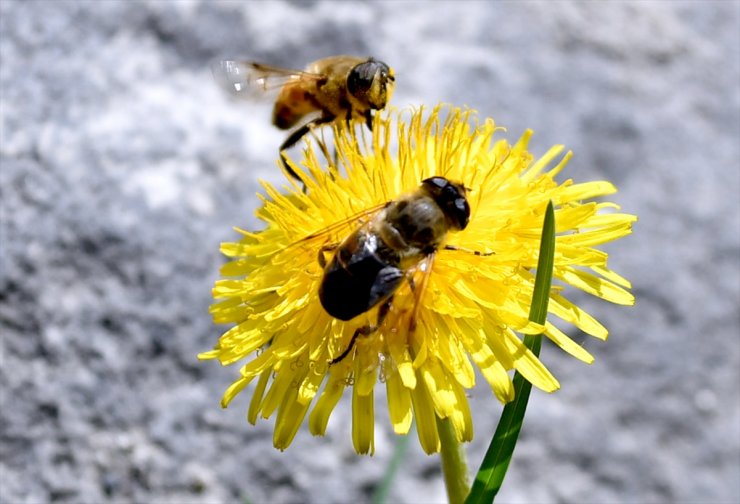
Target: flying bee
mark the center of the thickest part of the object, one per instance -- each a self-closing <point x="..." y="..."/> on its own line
<point x="369" y="266"/>
<point x="337" y="88"/>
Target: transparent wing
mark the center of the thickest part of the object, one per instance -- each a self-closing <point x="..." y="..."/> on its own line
<point x="407" y="300"/>
<point x="325" y="239"/>
<point x="335" y="233"/>
<point x="250" y="79"/>
<point x="421" y="278"/>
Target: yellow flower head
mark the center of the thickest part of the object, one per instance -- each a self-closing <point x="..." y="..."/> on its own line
<point x="464" y="307"/>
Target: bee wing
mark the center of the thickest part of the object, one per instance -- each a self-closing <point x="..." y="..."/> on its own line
<point x="421" y="274"/>
<point x="325" y="239"/>
<point x="334" y="234"/>
<point x="417" y="282"/>
<point x="248" y="78"/>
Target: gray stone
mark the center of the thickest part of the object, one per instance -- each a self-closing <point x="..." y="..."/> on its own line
<point x="123" y="166"/>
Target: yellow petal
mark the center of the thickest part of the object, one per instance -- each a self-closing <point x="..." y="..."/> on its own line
<point x="492" y="370"/>
<point x="587" y="190"/>
<point x="612" y="276"/>
<point x="234" y="389"/>
<point x="594" y="285"/>
<point x="567" y="344"/>
<point x="439" y="388"/>
<point x="561" y="307"/>
<point x="399" y="404"/>
<point x="426" y="423"/>
<point x="363" y="423"/>
<point x="328" y="399"/>
<point x="529" y="365"/>
<point x="310" y="386"/>
<point x="462" y="420"/>
<point x="289" y="418"/>
<point x="255" y="405"/>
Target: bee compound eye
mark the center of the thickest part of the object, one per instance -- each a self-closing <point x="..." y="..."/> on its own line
<point x="361" y="77"/>
<point x="439" y="182"/>
<point x="385" y="71"/>
<point x="462" y="211"/>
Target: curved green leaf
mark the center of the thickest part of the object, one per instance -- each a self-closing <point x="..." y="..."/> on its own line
<point x="491" y="474"/>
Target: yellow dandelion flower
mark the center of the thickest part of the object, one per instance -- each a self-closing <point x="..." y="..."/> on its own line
<point x="464" y="308"/>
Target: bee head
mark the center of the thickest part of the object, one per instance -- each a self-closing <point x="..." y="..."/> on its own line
<point x="450" y="197"/>
<point x="372" y="82"/>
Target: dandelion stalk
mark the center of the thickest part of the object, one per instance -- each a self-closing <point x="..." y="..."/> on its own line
<point x="454" y="463"/>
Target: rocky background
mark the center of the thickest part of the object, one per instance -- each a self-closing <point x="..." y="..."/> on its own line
<point x="124" y="166"/>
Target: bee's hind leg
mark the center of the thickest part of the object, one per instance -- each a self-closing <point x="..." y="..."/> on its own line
<point x="366" y="330"/>
<point x="293" y="139"/>
<point x="323" y="250"/>
<point x="287" y="144"/>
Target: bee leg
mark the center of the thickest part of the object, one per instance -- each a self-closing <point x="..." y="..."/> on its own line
<point x="419" y="293"/>
<point x="410" y="280"/>
<point x="369" y="120"/>
<point x="323" y="250"/>
<point x="291" y="140"/>
<point x="295" y="137"/>
<point x="468" y="251"/>
<point x="366" y="330"/>
<point x="332" y="160"/>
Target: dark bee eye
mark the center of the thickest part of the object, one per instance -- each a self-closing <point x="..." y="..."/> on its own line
<point x="462" y="212"/>
<point x="361" y="77"/>
<point x="451" y="199"/>
<point x="440" y="182"/>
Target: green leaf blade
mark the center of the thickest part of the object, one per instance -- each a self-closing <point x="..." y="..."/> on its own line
<point x="495" y="463"/>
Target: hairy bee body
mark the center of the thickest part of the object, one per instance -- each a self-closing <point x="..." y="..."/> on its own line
<point x="337" y="88"/>
<point x="372" y="262"/>
<point x="330" y="94"/>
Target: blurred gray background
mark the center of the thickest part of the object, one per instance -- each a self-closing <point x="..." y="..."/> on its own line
<point x="124" y="166"/>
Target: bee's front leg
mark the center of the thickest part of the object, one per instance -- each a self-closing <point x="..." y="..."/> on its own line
<point x="468" y="251"/>
<point x="410" y="280"/>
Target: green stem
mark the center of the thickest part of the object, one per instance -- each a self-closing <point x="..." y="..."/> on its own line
<point x="399" y="453"/>
<point x="454" y="463"/>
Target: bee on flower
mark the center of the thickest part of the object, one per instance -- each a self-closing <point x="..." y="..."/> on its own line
<point x="410" y="265"/>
